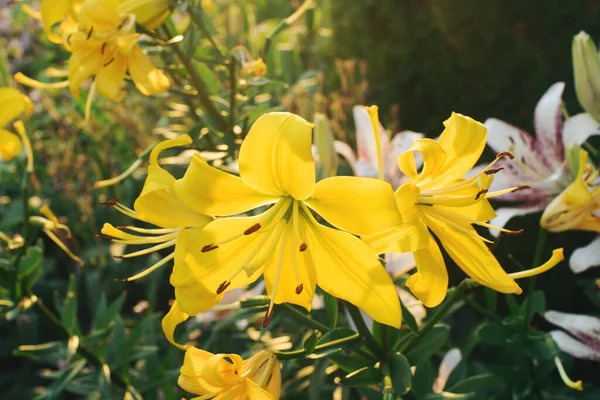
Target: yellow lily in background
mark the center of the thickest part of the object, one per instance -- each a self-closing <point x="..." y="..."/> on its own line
<point x="14" y="104"/>
<point x="576" y="206"/>
<point x="439" y="199"/>
<point x="228" y="376"/>
<point x="286" y="244"/>
<point x="105" y="46"/>
<point x="148" y="13"/>
<point x="156" y="205"/>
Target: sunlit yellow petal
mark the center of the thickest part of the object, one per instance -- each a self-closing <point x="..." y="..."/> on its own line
<point x="255" y="392"/>
<point x="148" y="13"/>
<point x="158" y="203"/>
<point x="109" y="80"/>
<point x="473" y="257"/>
<point x="102" y="15"/>
<point x="347" y="269"/>
<point x="208" y="190"/>
<point x="12" y="105"/>
<point x="433" y="155"/>
<point x="147" y="78"/>
<point x="463" y="140"/>
<point x="170" y="321"/>
<point x="219" y="370"/>
<point x="82" y="65"/>
<point x="288" y="281"/>
<point x="276" y="158"/>
<point x="430" y="283"/>
<point x="53" y="11"/>
<point x="204" y="272"/>
<point x="191" y="376"/>
<point x="10" y="145"/>
<point x="406" y="198"/>
<point x="410" y="236"/>
<point x="363" y="206"/>
<point x="480" y="210"/>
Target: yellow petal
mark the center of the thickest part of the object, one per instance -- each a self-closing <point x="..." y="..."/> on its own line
<point x="473" y="257"/>
<point x="219" y="371"/>
<point x="276" y="158"/>
<point x="433" y="155"/>
<point x="148" y="13"/>
<point x="363" y="206"/>
<point x="208" y="190"/>
<point x="174" y="317"/>
<point x="109" y="80"/>
<point x="147" y="78"/>
<point x="463" y="140"/>
<point x="480" y="210"/>
<point x="82" y="65"/>
<point x="430" y="283"/>
<point x="287" y="284"/>
<point x="191" y="376"/>
<point x="203" y="272"/>
<point x="158" y="203"/>
<point x="409" y="236"/>
<point x="102" y="15"/>
<point x="12" y="105"/>
<point x="406" y="199"/>
<point x="347" y="269"/>
<point x="54" y="11"/>
<point x="10" y="145"/>
<point x="255" y="392"/>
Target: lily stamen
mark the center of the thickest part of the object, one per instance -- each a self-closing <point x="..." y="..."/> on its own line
<point x="269" y="314"/>
<point x="252" y="229"/>
<point x="149" y="249"/>
<point x="148" y="270"/>
<point x="557" y="256"/>
<point x="303" y="247"/>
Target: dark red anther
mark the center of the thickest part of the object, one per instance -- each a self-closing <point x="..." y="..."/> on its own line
<point x="89" y="35"/>
<point x="493" y="171"/>
<point x="303" y="247"/>
<point x="103" y="48"/>
<point x="515" y="233"/>
<point x="268" y="316"/>
<point x="299" y="288"/>
<point x="480" y="193"/>
<point x="209" y="247"/>
<point x="223" y="286"/>
<point x="520" y="187"/>
<point x="505" y="154"/>
<point x="252" y="229"/>
<point x="105" y="237"/>
<point x="109" y="62"/>
<point x="112" y="202"/>
<point x="495" y="243"/>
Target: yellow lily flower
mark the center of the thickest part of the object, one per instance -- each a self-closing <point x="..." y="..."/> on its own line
<point x="13" y="104"/>
<point x="285" y="244"/>
<point x="576" y="206"/>
<point x="228" y="376"/>
<point x="148" y="13"/>
<point x="439" y="199"/>
<point x="105" y="46"/>
<point x="156" y="205"/>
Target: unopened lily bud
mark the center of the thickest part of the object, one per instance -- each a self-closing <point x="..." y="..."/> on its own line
<point x="325" y="147"/>
<point x="586" y="68"/>
<point x="148" y="13"/>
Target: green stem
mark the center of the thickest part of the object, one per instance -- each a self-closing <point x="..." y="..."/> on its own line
<point x="199" y="85"/>
<point x="230" y="139"/>
<point x="303" y="318"/>
<point x="290" y="355"/>
<point x="537" y="258"/>
<point x="199" y="22"/>
<point x="439" y="314"/>
<point x="364" y="331"/>
<point x="482" y="310"/>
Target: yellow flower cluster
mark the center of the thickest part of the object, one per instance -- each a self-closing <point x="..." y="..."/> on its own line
<point x="285" y="240"/>
<point x="103" y="42"/>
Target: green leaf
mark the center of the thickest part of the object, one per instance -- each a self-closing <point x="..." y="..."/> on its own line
<point x="349" y="363"/>
<point x="68" y="312"/>
<point x="538" y="305"/>
<point x="317" y="380"/>
<point x="211" y="80"/>
<point x="331" y="309"/>
<point x="62" y="381"/>
<point x="310" y="342"/>
<point x="494" y="333"/>
<point x="408" y="319"/>
<point x="30" y="262"/>
<point x="47" y="353"/>
<point x="428" y="345"/>
<point x="449" y="396"/>
<point x="422" y="381"/>
<point x="540" y="346"/>
<point x="363" y="377"/>
<point x="475" y="384"/>
<point x="139" y="353"/>
<point x="400" y="373"/>
<point x="331" y="336"/>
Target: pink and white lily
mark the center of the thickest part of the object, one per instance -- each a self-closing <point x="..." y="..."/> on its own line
<point x="540" y="161"/>
<point x="584" y="341"/>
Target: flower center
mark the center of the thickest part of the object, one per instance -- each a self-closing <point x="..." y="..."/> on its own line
<point x="438" y="203"/>
<point x="274" y="232"/>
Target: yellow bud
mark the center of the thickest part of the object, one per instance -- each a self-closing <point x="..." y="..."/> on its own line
<point x="586" y="68"/>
